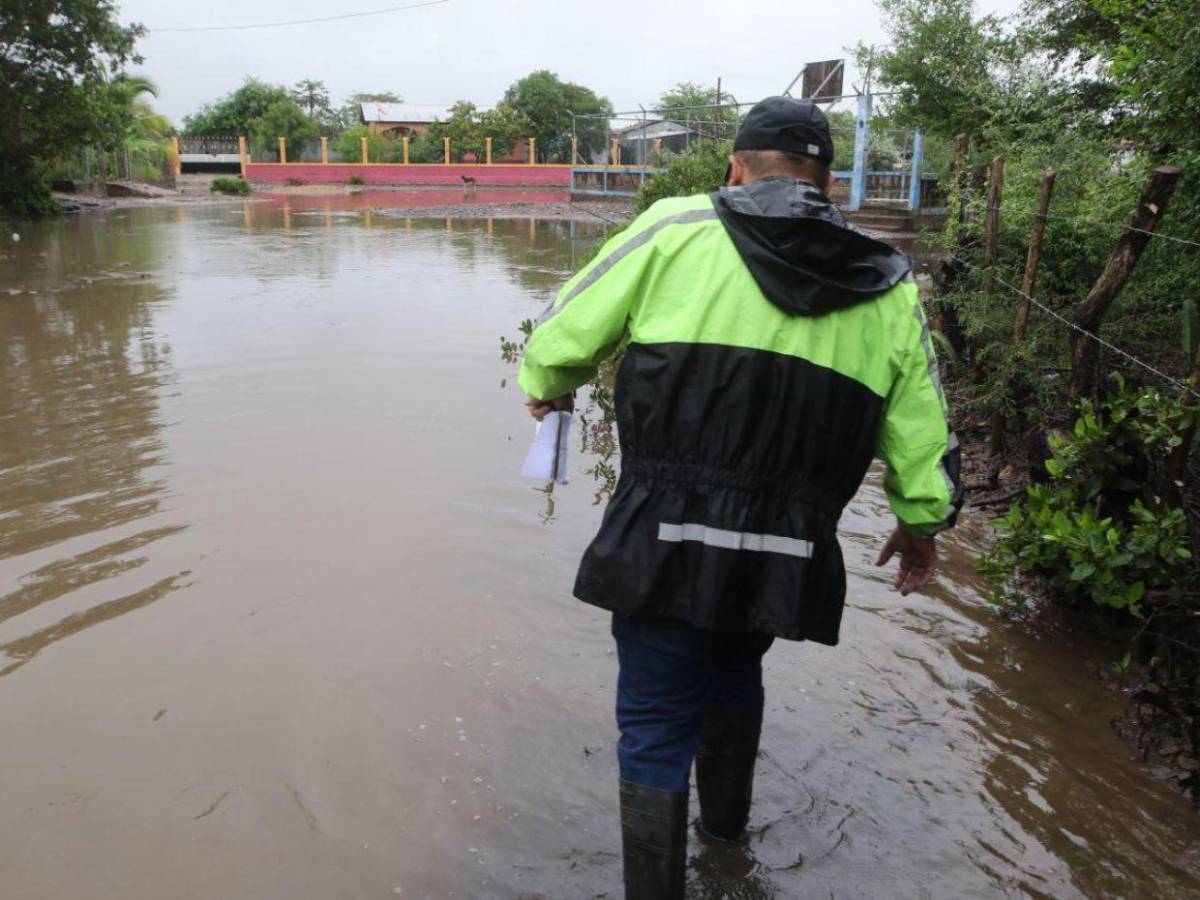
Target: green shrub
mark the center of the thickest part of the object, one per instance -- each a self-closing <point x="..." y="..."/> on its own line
<point x="238" y="187"/>
<point x="356" y="181"/>
<point x="1096" y="531"/>
<point x="697" y="170"/>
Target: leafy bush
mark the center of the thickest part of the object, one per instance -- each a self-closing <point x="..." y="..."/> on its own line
<point x="239" y="187"/>
<point x="1096" y="531"/>
<point x="356" y="181"/>
<point x="697" y="170"/>
<point x="380" y="149"/>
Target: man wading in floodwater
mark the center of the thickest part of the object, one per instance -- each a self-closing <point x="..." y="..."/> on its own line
<point x="774" y="352"/>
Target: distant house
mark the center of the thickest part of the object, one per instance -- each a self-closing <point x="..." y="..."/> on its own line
<point x="398" y="119"/>
<point x="640" y="142"/>
<point x="395" y="120"/>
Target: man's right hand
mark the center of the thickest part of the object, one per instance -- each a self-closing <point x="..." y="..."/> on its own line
<point x="918" y="559"/>
<point x="539" y="409"/>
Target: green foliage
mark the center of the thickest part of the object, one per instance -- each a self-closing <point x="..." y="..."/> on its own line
<point x="1096" y="531"/>
<point x="1189" y="315"/>
<point x="313" y="97"/>
<point x="720" y="122"/>
<point x="238" y="187"/>
<point x="468" y="128"/>
<point x="545" y="103"/>
<point x="380" y="149"/>
<point x="237" y="112"/>
<point x="60" y="59"/>
<point x="283" y="118"/>
<point x="698" y="170"/>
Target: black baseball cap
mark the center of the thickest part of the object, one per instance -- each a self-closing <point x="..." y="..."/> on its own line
<point x="788" y="124"/>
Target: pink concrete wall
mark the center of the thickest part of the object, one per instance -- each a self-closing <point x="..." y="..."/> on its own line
<point x="273" y="173"/>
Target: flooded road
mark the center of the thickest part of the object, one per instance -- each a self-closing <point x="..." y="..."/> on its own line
<point x="279" y="619"/>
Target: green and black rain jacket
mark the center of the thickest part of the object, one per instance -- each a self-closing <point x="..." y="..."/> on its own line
<point x="774" y="353"/>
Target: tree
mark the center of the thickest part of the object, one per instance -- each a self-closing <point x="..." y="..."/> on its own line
<point x="953" y="72"/>
<point x="468" y="129"/>
<point x="235" y="113"/>
<point x="546" y="103"/>
<point x="379" y="148"/>
<point x="57" y="62"/>
<point x="313" y="98"/>
<point x="1140" y="60"/>
<point x="283" y="118"/>
<point x="715" y="118"/>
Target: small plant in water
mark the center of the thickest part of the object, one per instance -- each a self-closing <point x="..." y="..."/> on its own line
<point x="355" y="181"/>
<point x="1096" y="532"/>
<point x="238" y="187"/>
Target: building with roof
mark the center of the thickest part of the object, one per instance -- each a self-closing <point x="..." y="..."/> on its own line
<point x="395" y="120"/>
<point x="398" y="119"/>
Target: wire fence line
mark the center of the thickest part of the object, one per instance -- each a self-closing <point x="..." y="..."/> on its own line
<point x="1096" y="222"/>
<point x="1181" y="385"/>
<point x="334" y="18"/>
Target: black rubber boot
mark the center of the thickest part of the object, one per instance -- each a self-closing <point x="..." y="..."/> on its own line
<point x="725" y="768"/>
<point x="654" y="841"/>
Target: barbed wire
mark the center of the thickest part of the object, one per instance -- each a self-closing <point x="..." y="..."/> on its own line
<point x="320" y="19"/>
<point x="1181" y="385"/>
<point x="1031" y="213"/>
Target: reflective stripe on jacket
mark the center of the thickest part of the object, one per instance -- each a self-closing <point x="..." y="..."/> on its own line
<point x="745" y="428"/>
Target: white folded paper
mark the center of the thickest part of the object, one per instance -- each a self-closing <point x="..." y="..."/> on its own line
<point x="547" y="459"/>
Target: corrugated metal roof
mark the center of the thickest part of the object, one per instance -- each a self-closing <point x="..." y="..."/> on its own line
<point x="403" y="112"/>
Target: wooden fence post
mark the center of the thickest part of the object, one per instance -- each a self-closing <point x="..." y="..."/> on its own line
<point x="243" y="153"/>
<point x="487" y="144"/>
<point x="574" y="149"/>
<point x="283" y="150"/>
<point x="366" y="151"/>
<point x="404" y="148"/>
<point x="991" y="221"/>
<point x="532" y="151"/>
<point x="1089" y="312"/>
<point x="178" y="158"/>
<point x="324" y="149"/>
<point x="1029" y="282"/>
<point x="445" y="151"/>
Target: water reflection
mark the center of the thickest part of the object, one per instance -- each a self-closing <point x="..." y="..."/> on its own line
<point x="81" y="444"/>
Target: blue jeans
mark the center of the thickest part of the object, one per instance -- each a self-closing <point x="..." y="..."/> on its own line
<point x="670" y="673"/>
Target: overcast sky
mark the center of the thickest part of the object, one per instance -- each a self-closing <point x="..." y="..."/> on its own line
<point x="627" y="50"/>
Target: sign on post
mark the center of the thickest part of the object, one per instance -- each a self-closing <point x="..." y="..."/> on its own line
<point x="823" y="80"/>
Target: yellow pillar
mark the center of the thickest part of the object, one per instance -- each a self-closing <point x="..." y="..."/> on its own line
<point x="445" y="151"/>
<point x="490" y="229"/>
<point x="532" y="151"/>
<point x="616" y="151"/>
<point x="657" y="150"/>
<point x="532" y="230"/>
<point x="574" y="150"/>
<point x="487" y="143"/>
<point x="178" y="164"/>
<point x="365" y="153"/>
<point x="283" y="149"/>
<point x="324" y="149"/>
<point x="404" y="145"/>
<point x="243" y="154"/>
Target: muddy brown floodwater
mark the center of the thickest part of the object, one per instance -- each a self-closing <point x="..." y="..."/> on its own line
<point x="278" y="619"/>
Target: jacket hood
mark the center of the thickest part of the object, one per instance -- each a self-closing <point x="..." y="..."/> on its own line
<point x="806" y="259"/>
